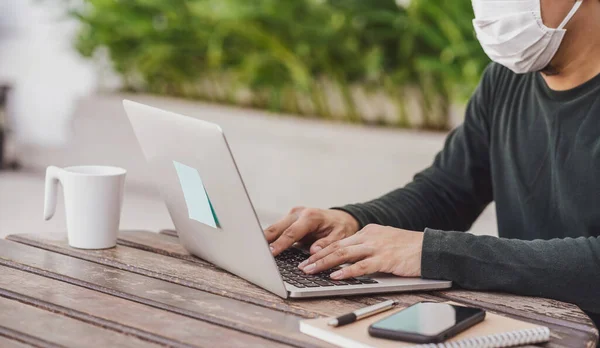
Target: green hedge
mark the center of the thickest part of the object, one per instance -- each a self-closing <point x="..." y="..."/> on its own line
<point x="289" y="55"/>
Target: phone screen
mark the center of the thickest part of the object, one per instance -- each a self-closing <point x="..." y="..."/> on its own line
<point x="426" y="318"/>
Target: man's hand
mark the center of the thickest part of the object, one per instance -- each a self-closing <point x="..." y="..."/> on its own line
<point x="315" y="227"/>
<point x="375" y="248"/>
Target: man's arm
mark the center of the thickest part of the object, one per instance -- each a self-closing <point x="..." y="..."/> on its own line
<point x="562" y="269"/>
<point x="451" y="193"/>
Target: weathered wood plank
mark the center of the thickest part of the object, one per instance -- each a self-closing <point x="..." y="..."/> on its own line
<point x="9" y="343"/>
<point x="561" y="337"/>
<point x="164" y="244"/>
<point x="200" y="275"/>
<point x="171" y="233"/>
<point x="237" y="315"/>
<point x="60" y="330"/>
<point x="24" y="337"/>
<point x="132" y="318"/>
<point x="539" y="309"/>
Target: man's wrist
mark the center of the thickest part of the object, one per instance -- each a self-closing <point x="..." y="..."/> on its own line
<point x="356" y="213"/>
<point x="419" y="256"/>
<point x="347" y="220"/>
<point x="352" y="223"/>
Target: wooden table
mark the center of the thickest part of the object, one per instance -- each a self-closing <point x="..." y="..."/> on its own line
<point x="149" y="292"/>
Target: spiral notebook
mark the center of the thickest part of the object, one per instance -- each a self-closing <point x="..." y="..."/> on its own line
<point x="495" y="331"/>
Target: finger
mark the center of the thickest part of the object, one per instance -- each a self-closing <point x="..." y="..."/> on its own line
<point x="340" y="256"/>
<point x="292" y="234"/>
<point x="366" y="266"/>
<point x="352" y="240"/>
<point x="324" y="242"/>
<point x="276" y="229"/>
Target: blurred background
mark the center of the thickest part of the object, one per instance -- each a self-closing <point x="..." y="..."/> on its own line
<point x="324" y="102"/>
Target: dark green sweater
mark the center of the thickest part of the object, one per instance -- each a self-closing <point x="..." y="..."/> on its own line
<point x="536" y="153"/>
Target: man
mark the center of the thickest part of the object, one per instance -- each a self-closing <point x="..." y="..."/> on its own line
<point x="530" y="142"/>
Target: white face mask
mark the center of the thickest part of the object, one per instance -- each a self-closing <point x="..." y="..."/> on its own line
<point x="513" y="34"/>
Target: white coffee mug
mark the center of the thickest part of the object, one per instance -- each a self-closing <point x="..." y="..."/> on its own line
<point x="93" y="200"/>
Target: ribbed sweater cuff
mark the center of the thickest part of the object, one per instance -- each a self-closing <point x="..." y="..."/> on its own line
<point x="432" y="265"/>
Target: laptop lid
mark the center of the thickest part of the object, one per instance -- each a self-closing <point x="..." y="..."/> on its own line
<point x="192" y="166"/>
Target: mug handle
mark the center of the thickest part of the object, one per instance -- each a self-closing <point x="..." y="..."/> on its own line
<point x="53" y="177"/>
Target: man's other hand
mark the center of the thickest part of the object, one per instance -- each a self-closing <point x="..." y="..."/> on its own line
<point x="315" y="227"/>
<point x="375" y="248"/>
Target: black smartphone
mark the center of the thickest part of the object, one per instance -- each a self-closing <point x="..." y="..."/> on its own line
<point x="427" y="322"/>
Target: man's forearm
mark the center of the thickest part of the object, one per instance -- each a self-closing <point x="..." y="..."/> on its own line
<point x="562" y="269"/>
<point x="432" y="200"/>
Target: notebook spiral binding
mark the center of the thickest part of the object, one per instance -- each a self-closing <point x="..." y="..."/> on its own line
<point x="507" y="339"/>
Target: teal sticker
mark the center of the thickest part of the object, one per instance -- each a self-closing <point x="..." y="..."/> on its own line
<point x="199" y="206"/>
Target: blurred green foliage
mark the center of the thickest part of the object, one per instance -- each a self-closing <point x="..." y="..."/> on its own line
<point x="288" y="55"/>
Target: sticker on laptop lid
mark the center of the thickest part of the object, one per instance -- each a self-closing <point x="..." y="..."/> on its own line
<point x="198" y="204"/>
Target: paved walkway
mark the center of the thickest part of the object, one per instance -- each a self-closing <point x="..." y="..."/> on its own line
<point x="285" y="161"/>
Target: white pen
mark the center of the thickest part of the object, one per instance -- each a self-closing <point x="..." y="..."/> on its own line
<point x="362" y="313"/>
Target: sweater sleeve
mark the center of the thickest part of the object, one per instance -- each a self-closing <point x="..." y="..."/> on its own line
<point x="454" y="190"/>
<point x="563" y="269"/>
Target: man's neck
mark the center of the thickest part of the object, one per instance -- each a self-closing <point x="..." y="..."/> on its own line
<point x="581" y="65"/>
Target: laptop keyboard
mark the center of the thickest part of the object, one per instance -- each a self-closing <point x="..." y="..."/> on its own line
<point x="288" y="261"/>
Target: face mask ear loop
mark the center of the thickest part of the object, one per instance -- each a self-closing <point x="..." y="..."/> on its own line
<point x="570" y="15"/>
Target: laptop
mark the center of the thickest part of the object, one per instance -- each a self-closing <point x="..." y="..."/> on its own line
<point x="192" y="166"/>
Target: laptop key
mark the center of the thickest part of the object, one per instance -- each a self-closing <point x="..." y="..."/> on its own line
<point x="323" y="283"/>
<point x="352" y="281"/>
<point x="338" y="282"/>
<point x="304" y="281"/>
<point x="311" y="285"/>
